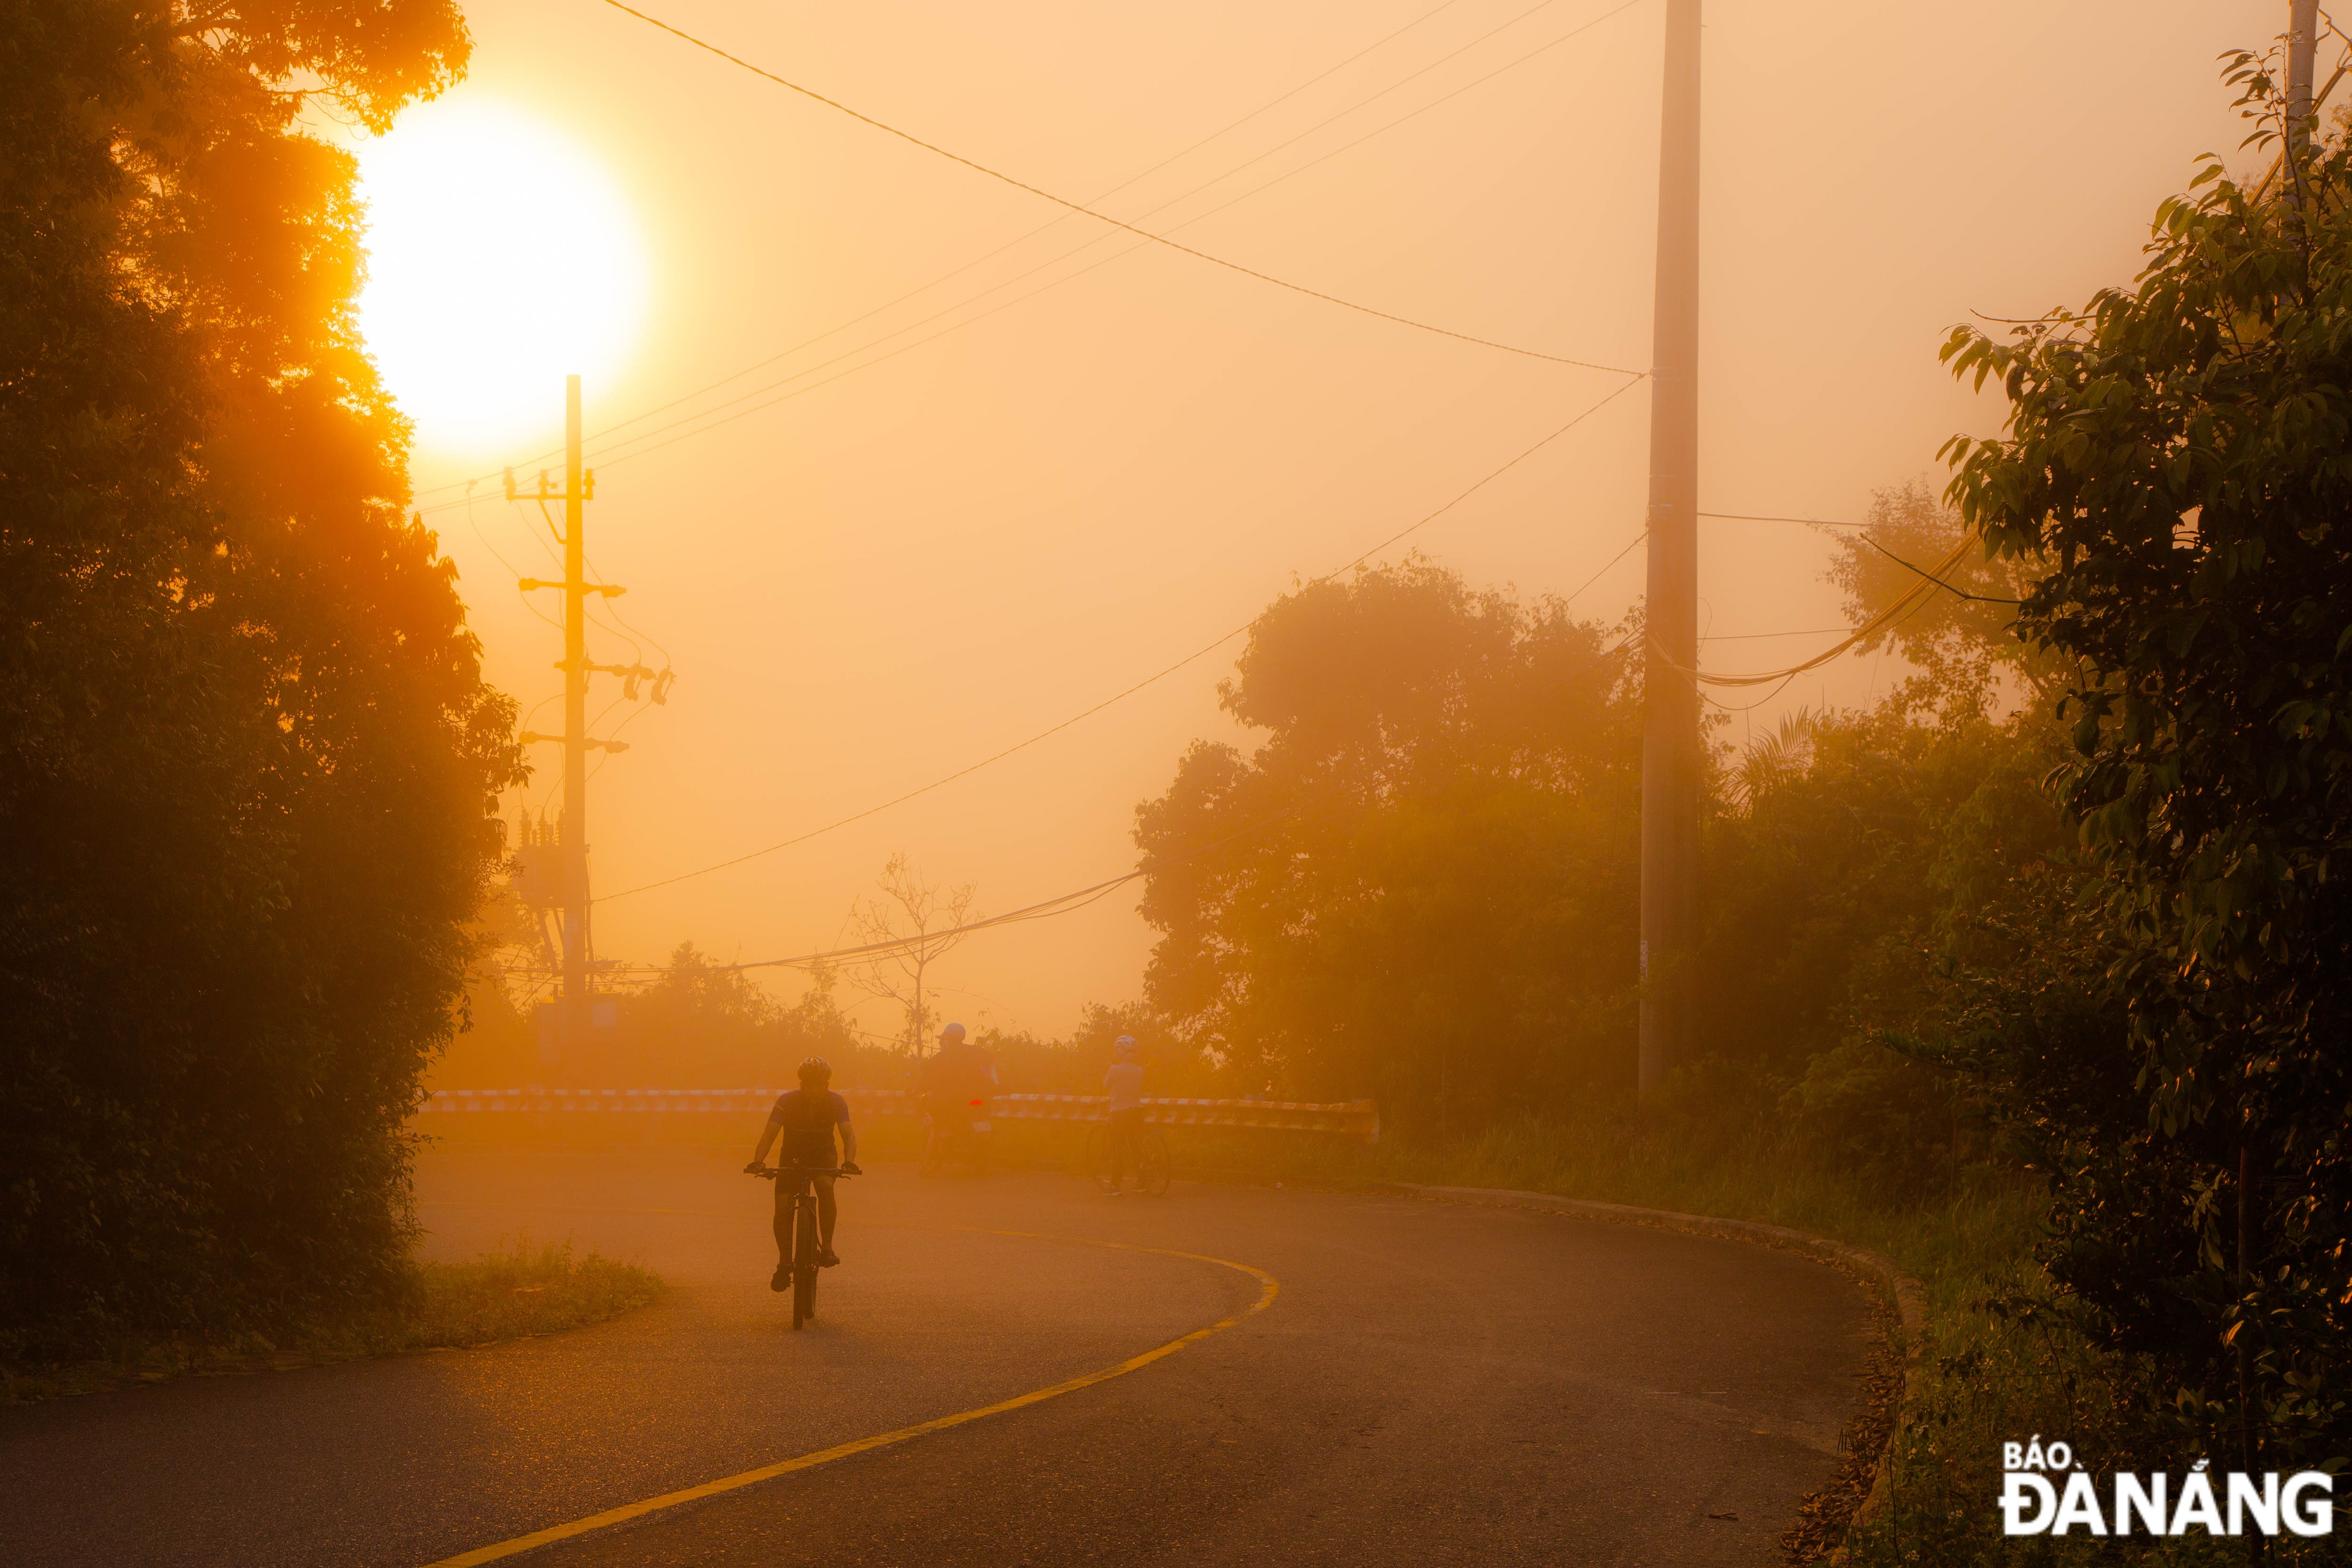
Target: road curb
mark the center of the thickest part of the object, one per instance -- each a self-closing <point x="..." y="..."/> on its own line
<point x="1910" y="1303"/>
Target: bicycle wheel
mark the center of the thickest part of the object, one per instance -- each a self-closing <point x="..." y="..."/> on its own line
<point x="803" y="1258"/>
<point x="1153" y="1166"/>
<point x="1098" y="1156"/>
<point x="935" y="1150"/>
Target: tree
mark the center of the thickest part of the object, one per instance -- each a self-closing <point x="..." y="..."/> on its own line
<point x="1961" y="644"/>
<point x="2178" y="468"/>
<point x="246" y="759"/>
<point x="700" y="1023"/>
<point x="1417" y="887"/>
<point x="920" y="918"/>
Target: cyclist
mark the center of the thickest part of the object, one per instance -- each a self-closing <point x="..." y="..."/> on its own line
<point x="960" y="1072"/>
<point x="806" y="1118"/>
<point x="1124" y="1082"/>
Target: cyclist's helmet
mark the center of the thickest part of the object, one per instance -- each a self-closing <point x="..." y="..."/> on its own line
<point x="1125" y="1045"/>
<point x="816" y="1069"/>
<point x="952" y="1034"/>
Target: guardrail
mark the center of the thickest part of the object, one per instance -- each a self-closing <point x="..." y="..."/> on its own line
<point x="1356" y="1119"/>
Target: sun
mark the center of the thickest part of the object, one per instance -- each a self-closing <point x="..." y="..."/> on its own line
<point x="499" y="258"/>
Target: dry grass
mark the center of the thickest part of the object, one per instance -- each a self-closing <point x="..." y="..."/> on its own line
<point x="514" y="1291"/>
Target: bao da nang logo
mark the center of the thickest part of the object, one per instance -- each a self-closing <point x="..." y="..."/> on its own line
<point x="2042" y="1493"/>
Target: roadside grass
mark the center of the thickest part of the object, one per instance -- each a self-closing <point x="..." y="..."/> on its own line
<point x="516" y="1290"/>
<point x="512" y="1293"/>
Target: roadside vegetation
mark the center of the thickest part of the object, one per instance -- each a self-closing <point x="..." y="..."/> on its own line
<point x="2035" y="975"/>
<point x="247" y="760"/>
<point x="516" y="1290"/>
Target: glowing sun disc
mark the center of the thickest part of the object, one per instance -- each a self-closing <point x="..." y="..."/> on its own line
<point x="500" y="257"/>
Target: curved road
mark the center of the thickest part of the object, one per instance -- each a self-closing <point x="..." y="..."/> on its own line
<point x="1433" y="1383"/>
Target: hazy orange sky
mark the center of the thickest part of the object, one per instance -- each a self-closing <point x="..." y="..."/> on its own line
<point x="881" y="580"/>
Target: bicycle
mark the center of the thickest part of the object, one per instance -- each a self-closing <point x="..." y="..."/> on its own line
<point x="1153" y="1167"/>
<point x="966" y="1138"/>
<point x="806" y="1241"/>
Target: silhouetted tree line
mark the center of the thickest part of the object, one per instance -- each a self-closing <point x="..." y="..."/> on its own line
<point x="249" y="754"/>
<point x="696" y="1024"/>
<point x="699" y="1024"/>
<point x="1422" y="885"/>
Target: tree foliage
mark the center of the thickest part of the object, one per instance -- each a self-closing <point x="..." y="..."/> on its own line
<point x="1964" y="657"/>
<point x="248" y="755"/>
<point x="1422" y="885"/>
<point x="1411" y="889"/>
<point x="2178" y="468"/>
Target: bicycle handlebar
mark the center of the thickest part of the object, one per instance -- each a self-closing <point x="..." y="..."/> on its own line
<point x="770" y="1172"/>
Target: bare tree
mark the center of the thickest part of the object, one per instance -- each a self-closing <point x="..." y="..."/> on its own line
<point x="922" y="918"/>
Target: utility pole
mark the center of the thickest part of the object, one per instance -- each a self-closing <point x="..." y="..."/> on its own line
<point x="572" y="1003"/>
<point x="572" y="1016"/>
<point x="2302" y="43"/>
<point x="1670" y="733"/>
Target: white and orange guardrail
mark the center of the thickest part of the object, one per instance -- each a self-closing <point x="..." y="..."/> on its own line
<point x="1356" y="1119"/>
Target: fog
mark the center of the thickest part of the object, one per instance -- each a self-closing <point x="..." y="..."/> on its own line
<point x="900" y="572"/>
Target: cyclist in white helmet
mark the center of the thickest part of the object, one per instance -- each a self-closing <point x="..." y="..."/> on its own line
<point x="1124" y="1084"/>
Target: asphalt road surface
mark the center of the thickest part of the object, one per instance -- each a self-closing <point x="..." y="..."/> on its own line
<point x="1433" y="1383"/>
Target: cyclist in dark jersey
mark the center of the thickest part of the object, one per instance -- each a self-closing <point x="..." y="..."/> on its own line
<point x="805" y="1119"/>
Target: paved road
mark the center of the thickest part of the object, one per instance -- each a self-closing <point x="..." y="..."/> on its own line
<point x="1434" y="1384"/>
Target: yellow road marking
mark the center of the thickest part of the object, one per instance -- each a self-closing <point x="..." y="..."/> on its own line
<point x="1268" y="1287"/>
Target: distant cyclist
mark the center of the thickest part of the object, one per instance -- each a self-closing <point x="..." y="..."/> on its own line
<point x="806" y="1118"/>
<point x="958" y="1073"/>
<point x="1124" y="1083"/>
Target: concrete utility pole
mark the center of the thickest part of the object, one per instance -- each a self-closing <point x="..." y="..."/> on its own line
<point x="2302" y="42"/>
<point x="573" y="1018"/>
<point x="1670" y="736"/>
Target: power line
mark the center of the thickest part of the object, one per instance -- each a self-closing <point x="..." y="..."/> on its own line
<point x="926" y="789"/>
<point x="1866" y="539"/>
<point x="1342" y="114"/>
<point x="691" y="420"/>
<point x="1815" y="521"/>
<point x="1901" y="609"/>
<point x="1433" y="104"/>
<point x="1932" y="577"/>
<point x="636" y="654"/>
<point x="1750" y="707"/>
<point x="1192" y="658"/>
<point x="1613" y="561"/>
<point x="1066" y="904"/>
<point x="632" y="627"/>
<point x="956" y="271"/>
<point x="1883" y="624"/>
<point x="1636" y="378"/>
<point x="1062" y="904"/>
<point x="689" y="425"/>
<point x="472" y="524"/>
<point x="1103" y="216"/>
